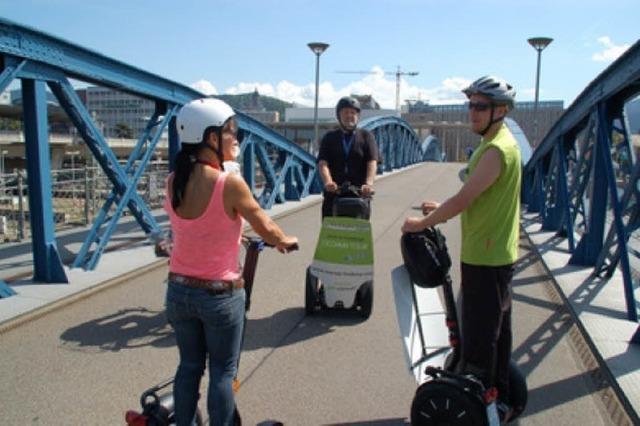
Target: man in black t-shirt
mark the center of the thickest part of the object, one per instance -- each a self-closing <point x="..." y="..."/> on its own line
<point x="347" y="154"/>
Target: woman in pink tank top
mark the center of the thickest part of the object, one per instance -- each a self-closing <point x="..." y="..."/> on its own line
<point x="205" y="299"/>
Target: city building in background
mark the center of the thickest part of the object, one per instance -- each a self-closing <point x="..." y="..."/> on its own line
<point x="122" y="117"/>
<point x="298" y="121"/>
<point x="117" y="114"/>
<point x="449" y="123"/>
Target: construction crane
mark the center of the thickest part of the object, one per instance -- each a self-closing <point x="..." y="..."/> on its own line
<point x="398" y="73"/>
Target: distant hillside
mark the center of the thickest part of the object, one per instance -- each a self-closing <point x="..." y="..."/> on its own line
<point x="255" y="102"/>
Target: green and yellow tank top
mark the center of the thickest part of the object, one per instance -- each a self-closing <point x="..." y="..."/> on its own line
<point x="491" y="224"/>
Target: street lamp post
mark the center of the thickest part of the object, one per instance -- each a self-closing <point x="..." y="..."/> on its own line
<point x="538" y="43"/>
<point x="317" y="49"/>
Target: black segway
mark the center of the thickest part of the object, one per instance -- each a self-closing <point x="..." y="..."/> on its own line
<point x="446" y="396"/>
<point x="341" y="275"/>
<point x="157" y="406"/>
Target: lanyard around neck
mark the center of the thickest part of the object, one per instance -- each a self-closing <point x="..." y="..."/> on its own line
<point x="346" y="147"/>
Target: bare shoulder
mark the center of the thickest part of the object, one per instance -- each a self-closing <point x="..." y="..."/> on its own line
<point x="491" y="155"/>
<point x="235" y="185"/>
<point x="235" y="180"/>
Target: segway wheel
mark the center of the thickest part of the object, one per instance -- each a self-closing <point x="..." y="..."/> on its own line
<point x="311" y="293"/>
<point x="518" y="392"/>
<point x="442" y="403"/>
<point x="365" y="299"/>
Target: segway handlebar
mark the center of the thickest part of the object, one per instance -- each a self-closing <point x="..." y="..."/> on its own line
<point x="346" y="189"/>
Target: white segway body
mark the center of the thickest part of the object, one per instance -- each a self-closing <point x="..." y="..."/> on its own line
<point x="341" y="274"/>
<point x="425" y="340"/>
<point x="432" y="351"/>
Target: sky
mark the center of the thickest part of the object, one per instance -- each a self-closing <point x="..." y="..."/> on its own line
<point x="237" y="46"/>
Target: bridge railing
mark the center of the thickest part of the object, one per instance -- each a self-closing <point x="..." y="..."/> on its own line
<point x="39" y="60"/>
<point x="275" y="168"/>
<point x="583" y="179"/>
<point x="397" y="142"/>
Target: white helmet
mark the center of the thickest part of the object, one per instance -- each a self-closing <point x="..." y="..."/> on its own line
<point x="495" y="88"/>
<point x="195" y="116"/>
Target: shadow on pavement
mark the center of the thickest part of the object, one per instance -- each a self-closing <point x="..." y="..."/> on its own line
<point x="291" y="326"/>
<point x="137" y="327"/>
<point x="381" y="422"/>
<point x="128" y="328"/>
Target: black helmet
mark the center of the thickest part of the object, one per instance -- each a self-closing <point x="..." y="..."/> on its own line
<point x="347" y="102"/>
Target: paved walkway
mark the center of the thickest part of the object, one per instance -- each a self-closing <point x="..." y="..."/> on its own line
<point x="600" y="334"/>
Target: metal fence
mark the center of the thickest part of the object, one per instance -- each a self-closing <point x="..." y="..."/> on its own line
<point x="78" y="194"/>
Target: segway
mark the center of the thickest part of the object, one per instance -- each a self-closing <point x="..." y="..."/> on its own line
<point x="158" y="408"/>
<point x="445" y="395"/>
<point x="341" y="274"/>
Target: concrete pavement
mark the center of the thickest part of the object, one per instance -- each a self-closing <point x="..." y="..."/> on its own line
<point x="94" y="357"/>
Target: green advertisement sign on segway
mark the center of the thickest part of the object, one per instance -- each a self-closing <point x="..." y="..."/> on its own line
<point x="341" y="274"/>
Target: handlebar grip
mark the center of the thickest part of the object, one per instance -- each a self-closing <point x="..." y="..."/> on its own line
<point x="292" y="247"/>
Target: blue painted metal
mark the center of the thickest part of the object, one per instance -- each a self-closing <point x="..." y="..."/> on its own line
<point x="591" y="176"/>
<point x="174" y="142"/>
<point x="9" y="74"/>
<point x="47" y="263"/>
<point x="139" y="156"/>
<point x="618" y="227"/>
<point x="590" y="245"/>
<point x="287" y="171"/>
<point x="536" y="194"/>
<point x="397" y="142"/>
<point x="5" y="290"/>
<point x="107" y="160"/>
<point x="78" y="62"/>
<point x="564" y="220"/>
<point x="553" y="211"/>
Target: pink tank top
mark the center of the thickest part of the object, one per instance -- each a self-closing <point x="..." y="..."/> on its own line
<point x="206" y="247"/>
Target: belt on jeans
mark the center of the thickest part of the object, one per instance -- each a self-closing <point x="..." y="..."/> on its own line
<point x="212" y="286"/>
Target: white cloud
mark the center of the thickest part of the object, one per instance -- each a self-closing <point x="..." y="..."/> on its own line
<point x="378" y="84"/>
<point x="205" y="87"/>
<point x="610" y="51"/>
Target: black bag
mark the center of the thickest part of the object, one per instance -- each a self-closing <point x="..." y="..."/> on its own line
<point x="426" y="257"/>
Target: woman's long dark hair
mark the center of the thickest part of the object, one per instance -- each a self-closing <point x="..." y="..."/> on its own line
<point x="186" y="158"/>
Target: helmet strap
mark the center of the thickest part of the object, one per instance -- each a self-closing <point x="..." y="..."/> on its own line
<point x="492" y="121"/>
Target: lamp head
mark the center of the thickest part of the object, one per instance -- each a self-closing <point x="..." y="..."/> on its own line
<point x="317" y="47"/>
<point x="539" y="43"/>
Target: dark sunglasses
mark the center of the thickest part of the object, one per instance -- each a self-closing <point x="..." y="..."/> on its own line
<point x="478" y="106"/>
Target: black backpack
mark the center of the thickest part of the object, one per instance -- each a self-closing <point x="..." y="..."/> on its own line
<point x="426" y="257"/>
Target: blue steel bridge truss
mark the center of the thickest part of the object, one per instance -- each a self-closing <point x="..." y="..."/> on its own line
<point x="583" y="178"/>
<point x="40" y="60"/>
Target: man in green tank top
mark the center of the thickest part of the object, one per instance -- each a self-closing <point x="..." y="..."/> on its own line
<point x="489" y="202"/>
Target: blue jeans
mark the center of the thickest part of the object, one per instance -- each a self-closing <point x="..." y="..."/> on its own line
<point x="210" y="325"/>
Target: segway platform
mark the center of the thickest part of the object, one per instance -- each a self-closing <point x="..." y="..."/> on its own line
<point x="425" y="340"/>
<point x="341" y="274"/>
